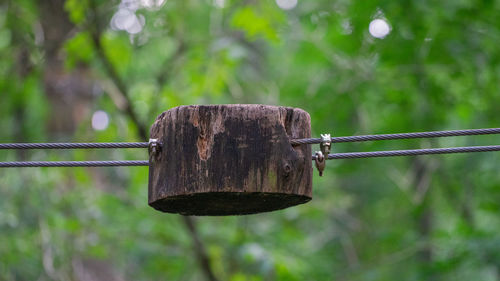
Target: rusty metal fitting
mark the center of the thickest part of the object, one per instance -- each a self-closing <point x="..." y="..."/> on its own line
<point x="326" y="144"/>
<point x="320" y="162"/>
<point x="154" y="148"/>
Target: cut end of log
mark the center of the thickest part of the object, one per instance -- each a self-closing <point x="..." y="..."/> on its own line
<point x="227" y="203"/>
<point x="230" y="160"/>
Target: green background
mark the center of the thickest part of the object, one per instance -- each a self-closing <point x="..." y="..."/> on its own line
<point x="409" y="218"/>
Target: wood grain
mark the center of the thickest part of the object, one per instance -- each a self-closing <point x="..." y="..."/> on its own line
<point x="230" y="160"/>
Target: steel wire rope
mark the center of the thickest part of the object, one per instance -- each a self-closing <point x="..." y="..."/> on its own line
<point x="113" y="163"/>
<point x="82" y="145"/>
<point x="433" y="134"/>
<point x="412" y="152"/>
<point x="347" y="155"/>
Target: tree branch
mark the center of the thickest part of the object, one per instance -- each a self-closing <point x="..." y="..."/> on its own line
<point x="166" y="72"/>
<point x="120" y="85"/>
<point x="142" y="130"/>
<point x="203" y="258"/>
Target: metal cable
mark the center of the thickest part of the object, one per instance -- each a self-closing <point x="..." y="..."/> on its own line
<point x="413" y="152"/>
<point x="74" y="145"/>
<point x="348" y="155"/>
<point x="74" y="163"/>
<point x="434" y="134"/>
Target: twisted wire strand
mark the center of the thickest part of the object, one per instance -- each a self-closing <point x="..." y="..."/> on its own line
<point x="434" y="134"/>
<point x="84" y="145"/>
<point x="348" y="155"/>
<point x="412" y="152"/>
<point x="74" y="163"/>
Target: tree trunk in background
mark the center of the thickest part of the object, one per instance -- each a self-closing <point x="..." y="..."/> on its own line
<point x="424" y="215"/>
<point x="70" y="95"/>
<point x="69" y="92"/>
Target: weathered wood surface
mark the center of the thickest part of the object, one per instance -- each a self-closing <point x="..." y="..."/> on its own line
<point x="230" y="160"/>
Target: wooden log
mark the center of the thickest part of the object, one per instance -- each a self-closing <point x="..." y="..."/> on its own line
<point x="230" y="160"/>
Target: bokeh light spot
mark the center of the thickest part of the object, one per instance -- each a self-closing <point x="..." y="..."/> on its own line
<point x="126" y="18"/>
<point x="100" y="120"/>
<point x="286" y="4"/>
<point x="219" y="3"/>
<point x="379" y="28"/>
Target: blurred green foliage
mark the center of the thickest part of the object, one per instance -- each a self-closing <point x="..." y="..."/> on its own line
<point x="426" y="218"/>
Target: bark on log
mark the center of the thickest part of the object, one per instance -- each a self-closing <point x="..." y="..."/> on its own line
<point x="230" y="160"/>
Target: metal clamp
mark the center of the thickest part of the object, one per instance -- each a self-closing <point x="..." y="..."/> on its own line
<point x="154" y="148"/>
<point x="320" y="162"/>
<point x="326" y="144"/>
<point x="320" y="159"/>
